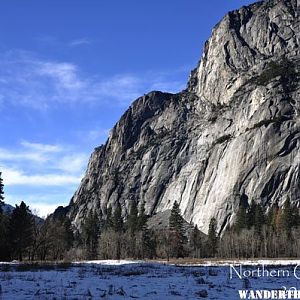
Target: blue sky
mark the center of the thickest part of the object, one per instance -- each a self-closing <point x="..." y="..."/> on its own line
<point x="69" y="69"/>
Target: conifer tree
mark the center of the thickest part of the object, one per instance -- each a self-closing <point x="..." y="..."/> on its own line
<point x="196" y="242"/>
<point x="144" y="237"/>
<point x="251" y="215"/>
<point x="132" y="228"/>
<point x="177" y="238"/>
<point x="91" y="233"/>
<point x="142" y="217"/>
<point x="1" y="192"/>
<point x="132" y="221"/>
<point x="212" y="239"/>
<point x="176" y="220"/>
<point x="118" y="227"/>
<point x="109" y="218"/>
<point x="4" y="238"/>
<point x="289" y="217"/>
<point x="117" y="218"/>
<point x="4" y="225"/>
<point x="241" y="219"/>
<point x="271" y="217"/>
<point x="69" y="235"/>
<point x="145" y="243"/>
<point x="259" y="219"/>
<point x="21" y="229"/>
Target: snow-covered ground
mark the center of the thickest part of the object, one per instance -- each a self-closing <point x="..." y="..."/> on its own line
<point x="138" y="280"/>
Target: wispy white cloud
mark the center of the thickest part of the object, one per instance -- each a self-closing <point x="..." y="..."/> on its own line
<point x="65" y="75"/>
<point x="17" y="177"/>
<point x="38" y="164"/>
<point x="8" y="155"/>
<point x="42" y="84"/>
<point x="123" y="87"/>
<point x="80" y="42"/>
<point x="54" y="41"/>
<point x="43" y="148"/>
<point x="72" y="163"/>
<point x="43" y="175"/>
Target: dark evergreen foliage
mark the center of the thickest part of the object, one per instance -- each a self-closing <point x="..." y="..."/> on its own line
<point x="212" y="240"/>
<point x="196" y="243"/>
<point x="133" y="221"/>
<point x="289" y="218"/>
<point x="109" y="223"/>
<point x="118" y="223"/>
<point x="251" y="215"/>
<point x="271" y="217"/>
<point x="1" y="192"/>
<point x="177" y="238"/>
<point x="21" y="230"/>
<point x="273" y="233"/>
<point x="142" y="218"/>
<point x="91" y="233"/>
<point x="259" y="219"/>
<point x="241" y="219"/>
<point x="5" y="249"/>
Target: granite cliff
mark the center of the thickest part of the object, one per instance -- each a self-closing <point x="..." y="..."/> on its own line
<point x="233" y="134"/>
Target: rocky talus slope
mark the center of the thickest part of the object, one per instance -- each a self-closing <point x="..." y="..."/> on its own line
<point x="233" y="133"/>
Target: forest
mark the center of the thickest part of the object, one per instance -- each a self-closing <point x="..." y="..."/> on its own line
<point x="256" y="233"/>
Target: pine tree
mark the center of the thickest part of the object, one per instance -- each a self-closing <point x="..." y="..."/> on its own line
<point x="132" y="221"/>
<point x="196" y="242"/>
<point x="91" y="233"/>
<point x="131" y="230"/>
<point x="69" y="235"/>
<point x="117" y="218"/>
<point x="177" y="238"/>
<point x="251" y="215"/>
<point x="1" y="192"/>
<point x="4" y="238"/>
<point x="289" y="217"/>
<point x="142" y="217"/>
<point x="109" y="223"/>
<point x="118" y="227"/>
<point x="176" y="220"/>
<point x="144" y="242"/>
<point x="271" y="217"/>
<point x="212" y="239"/>
<point x="21" y="230"/>
<point x="241" y="219"/>
<point x="259" y="220"/>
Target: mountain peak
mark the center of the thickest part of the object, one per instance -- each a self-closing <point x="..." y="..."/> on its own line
<point x="242" y="43"/>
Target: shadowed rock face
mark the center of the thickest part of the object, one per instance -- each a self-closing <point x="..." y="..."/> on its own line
<point x="233" y="133"/>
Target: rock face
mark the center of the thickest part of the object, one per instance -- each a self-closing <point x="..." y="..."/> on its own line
<point x="233" y="133"/>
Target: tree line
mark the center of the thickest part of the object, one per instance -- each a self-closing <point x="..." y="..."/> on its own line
<point x="109" y="237"/>
<point x="258" y="232"/>
<point x="255" y="233"/>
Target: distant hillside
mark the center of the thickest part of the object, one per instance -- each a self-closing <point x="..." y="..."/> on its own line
<point x="7" y="208"/>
